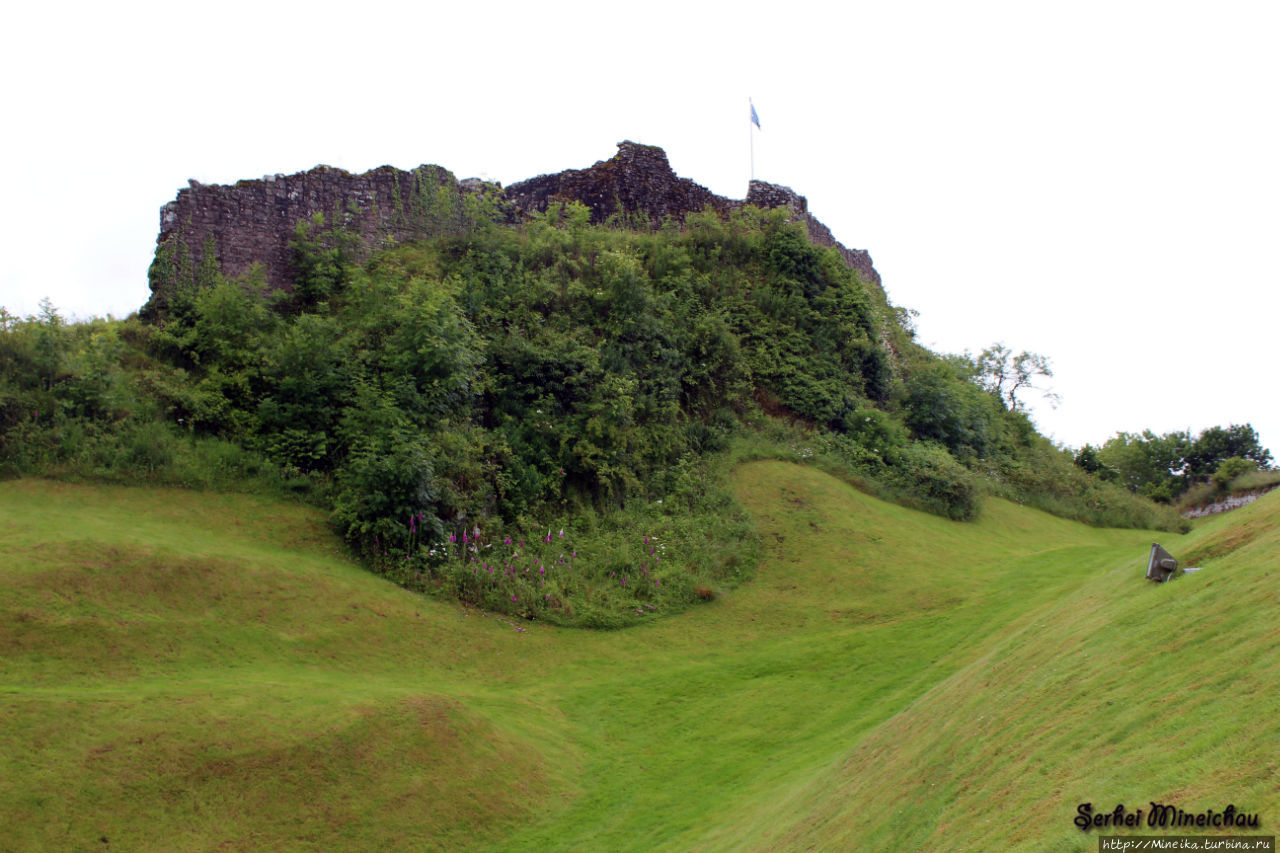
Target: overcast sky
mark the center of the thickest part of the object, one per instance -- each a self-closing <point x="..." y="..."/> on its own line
<point x="1098" y="182"/>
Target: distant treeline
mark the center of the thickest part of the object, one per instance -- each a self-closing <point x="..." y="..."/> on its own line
<point x="1166" y="468"/>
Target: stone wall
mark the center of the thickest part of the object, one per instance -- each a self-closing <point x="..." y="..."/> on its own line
<point x="638" y="179"/>
<point x="1226" y="504"/>
<point x="770" y="196"/>
<point x="253" y="221"/>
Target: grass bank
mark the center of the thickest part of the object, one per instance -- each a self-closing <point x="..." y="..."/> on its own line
<point x="189" y="671"/>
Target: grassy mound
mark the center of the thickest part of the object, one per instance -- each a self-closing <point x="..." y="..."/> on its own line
<point x="194" y="672"/>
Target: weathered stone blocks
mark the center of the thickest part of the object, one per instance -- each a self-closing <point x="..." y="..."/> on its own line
<point x="253" y="221"/>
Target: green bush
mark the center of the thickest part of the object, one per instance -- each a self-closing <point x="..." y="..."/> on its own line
<point x="929" y="477"/>
<point x="1048" y="478"/>
<point x="1229" y="469"/>
<point x="941" y="405"/>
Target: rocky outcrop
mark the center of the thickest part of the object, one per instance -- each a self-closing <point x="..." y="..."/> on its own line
<point x="1226" y="504"/>
<point x="253" y="222"/>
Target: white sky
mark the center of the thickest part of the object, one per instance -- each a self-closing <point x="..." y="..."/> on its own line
<point x="1095" y="181"/>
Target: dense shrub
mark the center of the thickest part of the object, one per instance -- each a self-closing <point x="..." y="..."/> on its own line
<point x="931" y="478"/>
<point x="942" y="406"/>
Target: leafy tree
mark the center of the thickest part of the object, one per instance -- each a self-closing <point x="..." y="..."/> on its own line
<point x="1162" y="467"/>
<point x="1216" y="444"/>
<point x="1149" y="464"/>
<point x="789" y="255"/>
<point x="716" y="373"/>
<point x="941" y="405"/>
<point x="431" y="354"/>
<point x="1088" y="460"/>
<point x="305" y="387"/>
<point x="49" y="341"/>
<point x="387" y="481"/>
<point x="320" y="263"/>
<point x="1005" y="375"/>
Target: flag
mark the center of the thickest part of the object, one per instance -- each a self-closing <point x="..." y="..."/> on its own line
<point x="755" y="119"/>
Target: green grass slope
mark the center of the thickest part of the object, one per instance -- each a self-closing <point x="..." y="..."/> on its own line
<point x="1110" y="691"/>
<point x="182" y="671"/>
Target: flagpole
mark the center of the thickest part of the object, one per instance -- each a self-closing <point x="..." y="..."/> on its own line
<point x="752" y="134"/>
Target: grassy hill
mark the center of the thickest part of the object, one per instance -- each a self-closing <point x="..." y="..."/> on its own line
<point x="185" y="671"/>
<point x="477" y="391"/>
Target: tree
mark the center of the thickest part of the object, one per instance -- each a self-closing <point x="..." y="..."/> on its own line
<point x="321" y="262"/>
<point x="1149" y="464"/>
<point x="1087" y="458"/>
<point x="941" y="405"/>
<point x="1004" y="374"/>
<point x="1217" y="444"/>
<point x="1164" y="466"/>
